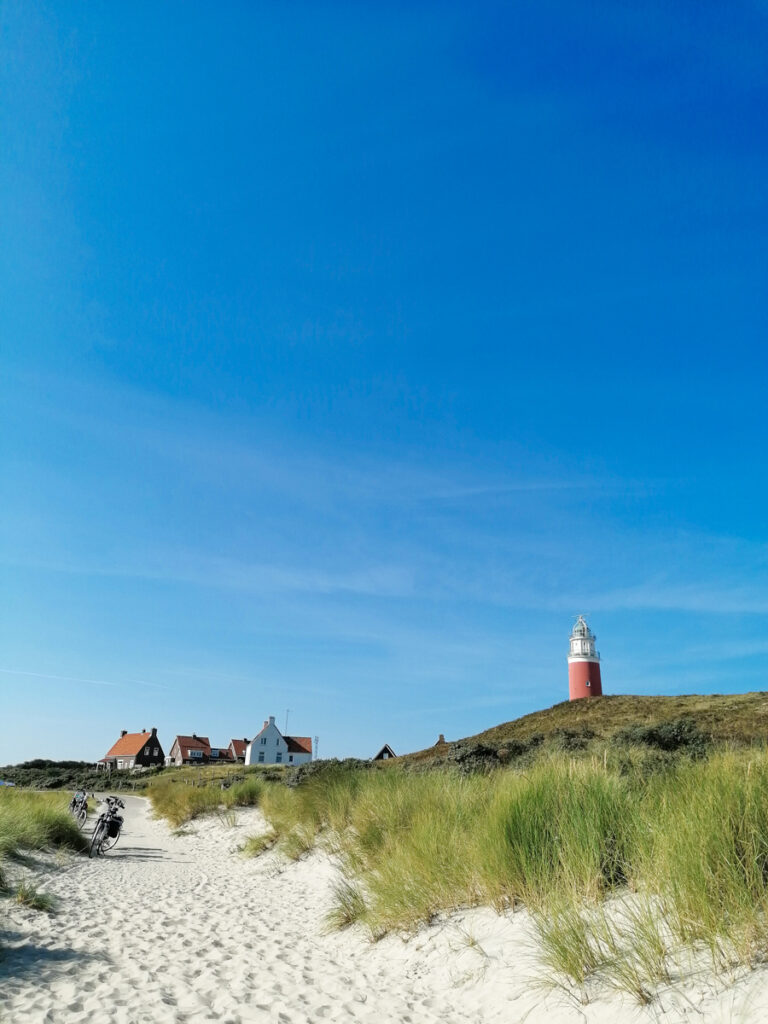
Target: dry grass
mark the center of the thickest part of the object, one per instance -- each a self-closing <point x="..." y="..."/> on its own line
<point x="736" y="719"/>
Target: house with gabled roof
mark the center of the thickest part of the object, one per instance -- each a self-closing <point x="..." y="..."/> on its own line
<point x="384" y="754"/>
<point x="133" y="750"/>
<point x="237" y="749"/>
<point x="192" y="749"/>
<point x="271" y="747"/>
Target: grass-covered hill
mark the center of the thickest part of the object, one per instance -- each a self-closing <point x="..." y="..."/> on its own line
<point x="692" y="723"/>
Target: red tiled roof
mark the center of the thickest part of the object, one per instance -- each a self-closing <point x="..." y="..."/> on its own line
<point x="299" y="744"/>
<point x="193" y="743"/>
<point x="129" y="744"/>
<point x="239" y="747"/>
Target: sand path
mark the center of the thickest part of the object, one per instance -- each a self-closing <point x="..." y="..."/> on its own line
<point x="169" y="929"/>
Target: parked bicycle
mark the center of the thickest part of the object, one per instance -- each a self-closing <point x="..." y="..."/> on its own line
<point x="109" y="824"/>
<point x="78" y="807"/>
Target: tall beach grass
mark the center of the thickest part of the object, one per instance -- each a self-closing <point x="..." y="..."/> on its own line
<point x="33" y="822"/>
<point x="623" y="867"/>
<point x="629" y="863"/>
<point x="179" y="802"/>
<point x="36" y="821"/>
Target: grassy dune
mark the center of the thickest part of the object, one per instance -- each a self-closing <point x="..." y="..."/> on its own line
<point x="627" y="873"/>
<point x="36" y="821"/>
<point x="635" y="831"/>
<point x="663" y="724"/>
<point x="29" y="822"/>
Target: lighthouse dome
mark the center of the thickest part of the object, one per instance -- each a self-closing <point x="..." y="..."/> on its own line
<point x="581" y="628"/>
<point x="583" y="641"/>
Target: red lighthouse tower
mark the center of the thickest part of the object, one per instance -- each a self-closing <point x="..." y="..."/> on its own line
<point x="583" y="663"/>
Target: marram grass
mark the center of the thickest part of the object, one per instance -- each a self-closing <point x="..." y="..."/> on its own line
<point x="29" y="822"/>
<point x="36" y="821"/>
<point x="627" y="863"/>
<point x="624" y="871"/>
<point x="173" y="797"/>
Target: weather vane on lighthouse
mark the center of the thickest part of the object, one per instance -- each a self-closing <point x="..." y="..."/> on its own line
<point x="583" y="663"/>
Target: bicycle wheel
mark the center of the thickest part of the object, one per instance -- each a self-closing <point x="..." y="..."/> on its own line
<point x="81" y="817"/>
<point x="96" y="840"/>
<point x="109" y="841"/>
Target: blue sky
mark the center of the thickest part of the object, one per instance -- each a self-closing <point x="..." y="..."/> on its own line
<point x="349" y="351"/>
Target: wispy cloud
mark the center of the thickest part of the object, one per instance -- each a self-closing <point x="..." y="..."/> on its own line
<point x="232" y="574"/>
<point x="80" y="679"/>
<point x="680" y="597"/>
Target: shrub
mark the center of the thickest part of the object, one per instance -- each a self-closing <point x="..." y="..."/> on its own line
<point x="681" y="734"/>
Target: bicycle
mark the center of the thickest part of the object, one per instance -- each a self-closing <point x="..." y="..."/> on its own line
<point x="78" y="807"/>
<point x="108" y="827"/>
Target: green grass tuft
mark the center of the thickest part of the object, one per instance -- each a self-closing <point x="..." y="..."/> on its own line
<point x="28" y="895"/>
<point x="256" y="845"/>
<point x="349" y="906"/>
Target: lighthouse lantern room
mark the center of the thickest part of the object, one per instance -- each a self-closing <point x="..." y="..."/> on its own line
<point x="583" y="663"/>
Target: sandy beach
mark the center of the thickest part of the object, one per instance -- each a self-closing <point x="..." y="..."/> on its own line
<point x="181" y="928"/>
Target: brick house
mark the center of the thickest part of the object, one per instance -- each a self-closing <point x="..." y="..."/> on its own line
<point x="192" y="749"/>
<point x="133" y="750"/>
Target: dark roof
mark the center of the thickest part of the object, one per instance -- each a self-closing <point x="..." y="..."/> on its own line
<point x="299" y="744"/>
<point x="387" y="751"/>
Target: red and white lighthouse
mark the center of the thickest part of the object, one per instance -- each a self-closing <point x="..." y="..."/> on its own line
<point x="583" y="663"/>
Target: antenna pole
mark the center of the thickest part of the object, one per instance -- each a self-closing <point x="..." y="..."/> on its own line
<point x="317" y="744"/>
<point x="287" y="712"/>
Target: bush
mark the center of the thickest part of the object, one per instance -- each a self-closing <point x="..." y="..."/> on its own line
<point x="681" y="734"/>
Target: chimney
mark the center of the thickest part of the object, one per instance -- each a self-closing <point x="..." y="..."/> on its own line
<point x="440" y="739"/>
<point x="194" y="735"/>
<point x="123" y="732"/>
<point x="154" y="730"/>
<point x="266" y="723"/>
<point x="271" y="719"/>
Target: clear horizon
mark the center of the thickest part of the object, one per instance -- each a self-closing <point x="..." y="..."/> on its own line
<point x="350" y="352"/>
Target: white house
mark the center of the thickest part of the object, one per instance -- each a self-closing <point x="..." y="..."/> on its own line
<point x="271" y="747"/>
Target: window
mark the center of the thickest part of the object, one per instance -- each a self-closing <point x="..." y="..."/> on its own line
<point x="263" y="741"/>
<point x="156" y="751"/>
<point x="261" y="755"/>
<point x="290" y="757"/>
<point x="119" y="764"/>
<point x="146" y="751"/>
<point x="278" y="757"/>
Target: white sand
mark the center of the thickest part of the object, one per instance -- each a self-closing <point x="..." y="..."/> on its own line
<point x="182" y="929"/>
